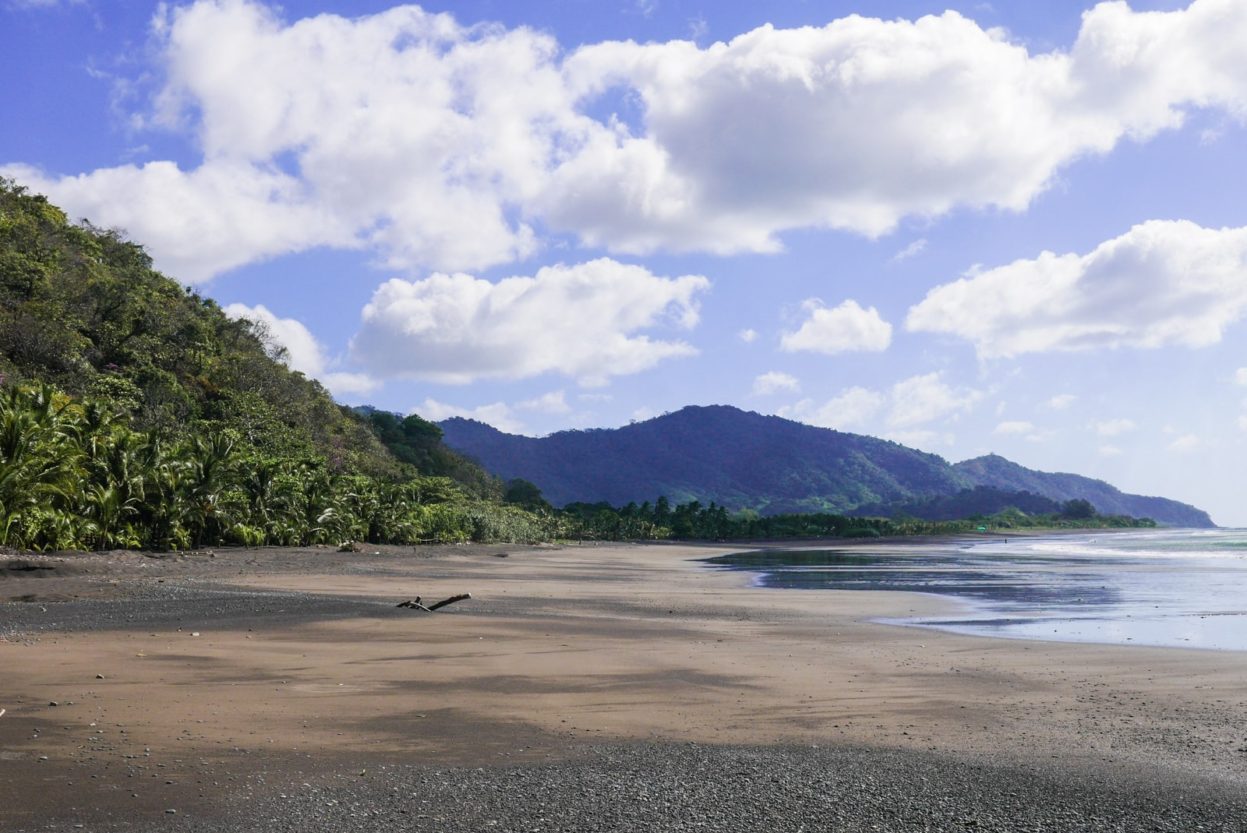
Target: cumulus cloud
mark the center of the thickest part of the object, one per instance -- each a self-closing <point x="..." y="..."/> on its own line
<point x="841" y="329"/>
<point x="554" y="402"/>
<point x="921" y="116"/>
<point x="1061" y="401"/>
<point x="1240" y="376"/>
<point x="854" y="408"/>
<point x="774" y="381"/>
<point x="301" y="351"/>
<point x="584" y="321"/>
<point x="909" y="403"/>
<point x="403" y="132"/>
<point x="1186" y="442"/>
<point x="1014" y="427"/>
<point x="1161" y="283"/>
<point x="439" y="145"/>
<point x="1113" y="427"/>
<point x="914" y="249"/>
<point x="748" y="336"/>
<point x="927" y="398"/>
<point x="497" y="414"/>
<point x="200" y="223"/>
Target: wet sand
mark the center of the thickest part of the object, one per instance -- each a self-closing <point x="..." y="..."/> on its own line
<point x="205" y="684"/>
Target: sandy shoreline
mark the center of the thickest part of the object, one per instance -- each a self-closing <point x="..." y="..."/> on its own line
<point x="163" y="671"/>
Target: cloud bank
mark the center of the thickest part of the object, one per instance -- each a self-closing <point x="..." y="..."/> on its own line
<point x="438" y="145"/>
<point x="583" y="321"/>
<point x="1161" y="283"/>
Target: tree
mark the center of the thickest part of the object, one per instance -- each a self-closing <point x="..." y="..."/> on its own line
<point x="1078" y="509"/>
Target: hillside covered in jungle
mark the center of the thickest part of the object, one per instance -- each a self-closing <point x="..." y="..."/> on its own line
<point x="135" y="413"/>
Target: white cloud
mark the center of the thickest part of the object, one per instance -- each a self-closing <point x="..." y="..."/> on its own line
<point x="584" y="320"/>
<point x="197" y="224"/>
<point x="497" y="414"/>
<point x="854" y="409"/>
<point x="1162" y="282"/>
<point x="1186" y="442"/>
<point x="926" y="398"/>
<point x="402" y="132"/>
<point x="439" y="145"/>
<point x="1110" y="451"/>
<point x="909" y="403"/>
<point x="923" y="116"/>
<point x="748" y="336"/>
<point x="914" y="249"/>
<point x="301" y="350"/>
<point x="1113" y="427"/>
<point x="1061" y="401"/>
<point x="841" y="329"/>
<point x="1242" y="422"/>
<point x="773" y="382"/>
<point x="554" y="402"/>
<point x="1014" y="427"/>
<point x="1240" y="376"/>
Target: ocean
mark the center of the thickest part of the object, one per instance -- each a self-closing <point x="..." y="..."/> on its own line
<point x="1183" y="588"/>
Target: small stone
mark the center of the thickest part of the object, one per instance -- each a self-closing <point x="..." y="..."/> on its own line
<point x="99" y="676"/>
<point x="171" y="812"/>
<point x="53" y="703"/>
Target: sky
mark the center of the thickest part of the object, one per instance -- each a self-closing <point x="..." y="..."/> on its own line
<point x="969" y="227"/>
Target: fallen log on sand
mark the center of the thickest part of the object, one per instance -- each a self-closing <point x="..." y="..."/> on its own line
<point x="416" y="603"/>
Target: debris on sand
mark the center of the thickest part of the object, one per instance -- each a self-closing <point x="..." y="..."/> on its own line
<point x="417" y="605"/>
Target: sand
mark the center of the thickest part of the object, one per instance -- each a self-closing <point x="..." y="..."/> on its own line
<point x="173" y="690"/>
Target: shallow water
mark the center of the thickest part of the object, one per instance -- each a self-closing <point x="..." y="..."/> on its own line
<point x="1184" y="588"/>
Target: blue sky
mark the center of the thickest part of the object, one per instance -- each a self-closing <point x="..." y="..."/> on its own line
<point x="970" y="227"/>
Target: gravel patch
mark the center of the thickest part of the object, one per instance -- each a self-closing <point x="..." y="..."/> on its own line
<point x="668" y="787"/>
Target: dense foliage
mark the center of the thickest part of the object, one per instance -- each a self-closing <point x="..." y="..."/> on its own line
<point x="693" y="521"/>
<point x="77" y="475"/>
<point x="82" y="309"/>
<point x="137" y="414"/>
<point x="994" y="471"/>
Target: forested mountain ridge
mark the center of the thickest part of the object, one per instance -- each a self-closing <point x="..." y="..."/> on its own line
<point x="744" y="460"/>
<point x="714" y="453"/>
<point x="995" y="471"/>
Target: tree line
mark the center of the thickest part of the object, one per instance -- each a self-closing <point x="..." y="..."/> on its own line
<point x="77" y="475"/>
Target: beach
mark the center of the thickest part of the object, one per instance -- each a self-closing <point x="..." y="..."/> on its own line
<point x="583" y="687"/>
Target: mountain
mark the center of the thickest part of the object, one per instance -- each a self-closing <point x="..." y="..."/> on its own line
<point x="995" y="471"/>
<point x="715" y="453"/>
<point x="741" y="460"/>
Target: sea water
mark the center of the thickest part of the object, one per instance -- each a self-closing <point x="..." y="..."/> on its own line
<point x="1185" y="588"/>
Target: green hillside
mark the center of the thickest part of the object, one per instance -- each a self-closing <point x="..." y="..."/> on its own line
<point x="134" y="412"/>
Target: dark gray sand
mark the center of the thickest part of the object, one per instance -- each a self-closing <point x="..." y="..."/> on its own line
<point x="677" y="787"/>
<point x="562" y="784"/>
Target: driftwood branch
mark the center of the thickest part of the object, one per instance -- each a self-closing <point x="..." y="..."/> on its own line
<point x="416" y="603"/>
<point x="450" y="601"/>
